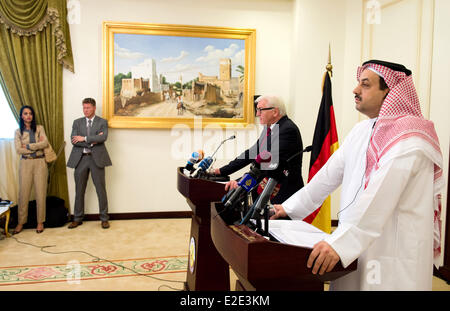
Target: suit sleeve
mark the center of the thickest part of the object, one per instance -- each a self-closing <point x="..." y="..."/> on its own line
<point x="76" y="132"/>
<point x="40" y="144"/>
<point x="18" y="144"/>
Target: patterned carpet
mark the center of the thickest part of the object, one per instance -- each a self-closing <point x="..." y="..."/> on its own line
<point x="76" y="271"/>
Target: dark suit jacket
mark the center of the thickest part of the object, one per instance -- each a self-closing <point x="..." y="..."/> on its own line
<point x="99" y="152"/>
<point x="287" y="139"/>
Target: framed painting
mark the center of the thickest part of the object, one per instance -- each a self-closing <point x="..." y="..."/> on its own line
<point x="159" y="76"/>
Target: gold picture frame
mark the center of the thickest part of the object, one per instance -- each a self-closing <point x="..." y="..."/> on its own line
<point x="143" y="89"/>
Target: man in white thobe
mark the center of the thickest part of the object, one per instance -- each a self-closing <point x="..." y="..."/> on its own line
<point x="390" y="170"/>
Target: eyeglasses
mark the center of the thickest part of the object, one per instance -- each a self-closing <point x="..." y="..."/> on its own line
<point x="262" y="109"/>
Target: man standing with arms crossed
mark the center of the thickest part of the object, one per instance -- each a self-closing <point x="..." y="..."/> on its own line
<point x="89" y="154"/>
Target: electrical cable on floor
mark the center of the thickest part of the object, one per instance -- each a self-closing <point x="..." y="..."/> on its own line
<point x="96" y="258"/>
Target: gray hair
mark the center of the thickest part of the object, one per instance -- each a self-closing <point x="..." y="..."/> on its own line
<point x="273" y="101"/>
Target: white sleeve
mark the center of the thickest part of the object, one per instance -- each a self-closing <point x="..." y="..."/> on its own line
<point x="374" y="207"/>
<point x="311" y="196"/>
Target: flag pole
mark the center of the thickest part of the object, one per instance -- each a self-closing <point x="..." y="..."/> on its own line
<point x="329" y="67"/>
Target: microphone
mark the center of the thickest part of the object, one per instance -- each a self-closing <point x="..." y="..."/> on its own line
<point x="196" y="156"/>
<point x="307" y="149"/>
<point x="270" y="186"/>
<point x="278" y="174"/>
<point x="202" y="167"/>
<point x="261" y="201"/>
<point x="263" y="184"/>
<point x="206" y="162"/>
<point x="248" y="181"/>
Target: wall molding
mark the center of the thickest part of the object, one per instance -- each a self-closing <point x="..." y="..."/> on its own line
<point x="144" y="215"/>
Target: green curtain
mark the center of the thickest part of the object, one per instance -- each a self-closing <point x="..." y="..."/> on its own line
<point x="34" y="48"/>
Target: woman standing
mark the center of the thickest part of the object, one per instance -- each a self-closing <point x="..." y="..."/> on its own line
<point x="30" y="141"/>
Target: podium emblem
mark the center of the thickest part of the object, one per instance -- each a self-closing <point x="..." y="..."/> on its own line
<point x="192" y="255"/>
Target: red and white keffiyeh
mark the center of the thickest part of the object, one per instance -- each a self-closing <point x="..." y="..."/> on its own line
<point x="400" y="118"/>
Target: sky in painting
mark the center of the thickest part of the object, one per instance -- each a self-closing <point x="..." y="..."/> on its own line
<point x="177" y="56"/>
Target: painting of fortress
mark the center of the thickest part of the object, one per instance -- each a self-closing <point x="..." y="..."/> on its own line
<point x="170" y="87"/>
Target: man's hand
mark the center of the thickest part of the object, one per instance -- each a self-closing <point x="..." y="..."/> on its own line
<point x="325" y="258"/>
<point x="279" y="211"/>
<point x="232" y="184"/>
<point x="77" y="139"/>
<point x="217" y="171"/>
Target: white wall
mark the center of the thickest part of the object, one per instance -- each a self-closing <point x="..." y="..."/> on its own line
<point x="143" y="175"/>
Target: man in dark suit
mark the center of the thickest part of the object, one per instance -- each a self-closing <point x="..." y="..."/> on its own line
<point x="281" y="137"/>
<point x="89" y="154"/>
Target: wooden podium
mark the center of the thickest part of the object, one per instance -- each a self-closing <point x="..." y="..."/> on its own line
<point x="206" y="268"/>
<point x="261" y="264"/>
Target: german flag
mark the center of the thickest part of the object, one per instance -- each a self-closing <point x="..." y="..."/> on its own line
<point x="325" y="142"/>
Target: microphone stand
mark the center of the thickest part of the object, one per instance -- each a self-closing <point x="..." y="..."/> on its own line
<point x="261" y="202"/>
<point x="266" y="220"/>
<point x="229" y="138"/>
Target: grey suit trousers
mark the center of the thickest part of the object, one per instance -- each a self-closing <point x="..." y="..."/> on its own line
<point x="82" y="170"/>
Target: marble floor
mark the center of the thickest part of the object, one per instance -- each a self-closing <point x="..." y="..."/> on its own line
<point x="125" y="239"/>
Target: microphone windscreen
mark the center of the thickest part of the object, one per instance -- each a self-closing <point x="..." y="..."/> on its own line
<point x="201" y="154"/>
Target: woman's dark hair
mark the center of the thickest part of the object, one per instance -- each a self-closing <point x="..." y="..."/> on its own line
<point x="22" y="123"/>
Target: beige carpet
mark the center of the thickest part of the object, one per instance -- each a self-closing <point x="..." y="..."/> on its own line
<point x="133" y="255"/>
<point x="135" y="244"/>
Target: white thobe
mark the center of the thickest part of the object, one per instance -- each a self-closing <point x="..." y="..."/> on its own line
<point x="388" y="226"/>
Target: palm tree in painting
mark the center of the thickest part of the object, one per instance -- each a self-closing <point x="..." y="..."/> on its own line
<point x="240" y="70"/>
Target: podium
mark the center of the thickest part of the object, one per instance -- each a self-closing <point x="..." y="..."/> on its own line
<point x="266" y="265"/>
<point x="206" y="268"/>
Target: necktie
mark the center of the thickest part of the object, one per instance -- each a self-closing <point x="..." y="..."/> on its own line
<point x="89" y="127"/>
<point x="86" y="150"/>
<point x="263" y="145"/>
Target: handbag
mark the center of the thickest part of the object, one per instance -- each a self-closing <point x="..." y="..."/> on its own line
<point x="49" y="154"/>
